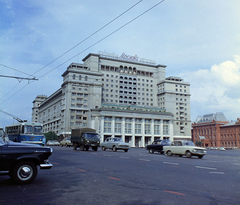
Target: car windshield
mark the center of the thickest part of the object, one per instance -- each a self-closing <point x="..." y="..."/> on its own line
<point x="166" y="142"/>
<point x="92" y="135"/>
<point x="27" y="129"/>
<point x="117" y="139"/>
<point x="188" y="143"/>
<point x="37" y="130"/>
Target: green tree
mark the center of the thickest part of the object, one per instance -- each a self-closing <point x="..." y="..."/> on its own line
<point x="51" y="136"/>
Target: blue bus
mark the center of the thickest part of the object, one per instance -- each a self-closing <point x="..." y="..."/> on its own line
<point x="26" y="132"/>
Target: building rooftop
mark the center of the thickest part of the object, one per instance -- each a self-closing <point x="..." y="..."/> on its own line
<point x="218" y="116"/>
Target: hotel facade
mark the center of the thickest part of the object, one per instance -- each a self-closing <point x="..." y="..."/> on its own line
<point x="119" y="96"/>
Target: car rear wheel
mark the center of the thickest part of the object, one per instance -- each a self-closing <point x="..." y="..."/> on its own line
<point x="151" y="151"/>
<point x="188" y="154"/>
<point x="169" y="153"/>
<point x="103" y="148"/>
<point x="24" y="172"/>
<point x="74" y="146"/>
<point x="82" y="147"/>
<point x="126" y="150"/>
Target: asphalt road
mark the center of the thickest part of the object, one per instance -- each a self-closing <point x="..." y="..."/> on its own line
<point x="132" y="178"/>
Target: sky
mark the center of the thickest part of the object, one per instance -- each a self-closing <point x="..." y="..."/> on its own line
<point x="198" y="41"/>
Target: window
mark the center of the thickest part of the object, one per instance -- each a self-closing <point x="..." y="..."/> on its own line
<point x="156" y="127"/>
<point x="147" y="126"/>
<point x="107" y="124"/>
<point x="118" y="125"/>
<point x="128" y="125"/>
<point x="165" y="127"/>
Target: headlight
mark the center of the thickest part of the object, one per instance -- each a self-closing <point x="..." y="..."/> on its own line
<point x="194" y="150"/>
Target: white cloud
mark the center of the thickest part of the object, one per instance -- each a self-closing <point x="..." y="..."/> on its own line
<point x="216" y="89"/>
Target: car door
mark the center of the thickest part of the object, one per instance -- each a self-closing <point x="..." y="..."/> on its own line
<point x="178" y="147"/>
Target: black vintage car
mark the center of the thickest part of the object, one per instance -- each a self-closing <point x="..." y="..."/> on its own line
<point x="157" y="146"/>
<point x="20" y="161"/>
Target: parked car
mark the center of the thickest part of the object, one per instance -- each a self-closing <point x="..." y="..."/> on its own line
<point x="222" y="149"/>
<point x="53" y="143"/>
<point x="20" y="160"/>
<point x="182" y="147"/>
<point x="66" y="142"/>
<point x="115" y="143"/>
<point x="157" y="146"/>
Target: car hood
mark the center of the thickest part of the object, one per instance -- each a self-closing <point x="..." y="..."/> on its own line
<point x="19" y="144"/>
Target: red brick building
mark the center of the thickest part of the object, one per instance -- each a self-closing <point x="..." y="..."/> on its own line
<point x="213" y="130"/>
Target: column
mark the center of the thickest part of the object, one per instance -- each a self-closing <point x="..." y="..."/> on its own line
<point x="132" y="143"/>
<point x="123" y="129"/>
<point x="152" y="130"/>
<point x="102" y="129"/>
<point x="113" y="126"/>
<point x="141" y="144"/>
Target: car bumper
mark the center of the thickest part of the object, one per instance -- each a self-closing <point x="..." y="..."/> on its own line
<point x="46" y="165"/>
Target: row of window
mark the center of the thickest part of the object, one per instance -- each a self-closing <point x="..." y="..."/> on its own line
<point x="80" y="77"/>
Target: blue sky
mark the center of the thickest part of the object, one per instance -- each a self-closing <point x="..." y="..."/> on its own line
<point x="197" y="40"/>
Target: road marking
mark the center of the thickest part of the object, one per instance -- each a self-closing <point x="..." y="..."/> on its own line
<point x="206" y="168"/>
<point x="171" y="163"/>
<point x="114" y="178"/>
<point x="124" y="157"/>
<point x="216" y="172"/>
<point x="146" y="160"/>
<point x="81" y="170"/>
<point x="173" y="192"/>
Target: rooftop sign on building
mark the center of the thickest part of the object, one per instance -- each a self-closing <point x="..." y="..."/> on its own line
<point x="125" y="57"/>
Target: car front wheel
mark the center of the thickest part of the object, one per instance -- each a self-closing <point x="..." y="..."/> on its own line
<point x="169" y="153"/>
<point x="151" y="151"/>
<point x="103" y="148"/>
<point x="200" y="156"/>
<point x="24" y="172"/>
<point x="188" y="154"/>
<point x="114" y="149"/>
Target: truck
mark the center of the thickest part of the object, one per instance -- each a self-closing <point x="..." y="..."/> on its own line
<point x="84" y="138"/>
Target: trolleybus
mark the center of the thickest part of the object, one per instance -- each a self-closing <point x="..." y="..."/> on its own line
<point x="27" y="132"/>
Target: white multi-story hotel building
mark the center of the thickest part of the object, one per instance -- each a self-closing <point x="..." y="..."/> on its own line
<point x="122" y="96"/>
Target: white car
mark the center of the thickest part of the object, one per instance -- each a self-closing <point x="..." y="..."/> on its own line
<point x="182" y="147"/>
<point x="115" y="144"/>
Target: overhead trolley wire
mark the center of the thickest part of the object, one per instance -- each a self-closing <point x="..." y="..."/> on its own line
<point x="104" y="38"/>
<point x="92" y="44"/>
<point x="90" y="36"/>
<point x="70" y="48"/>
